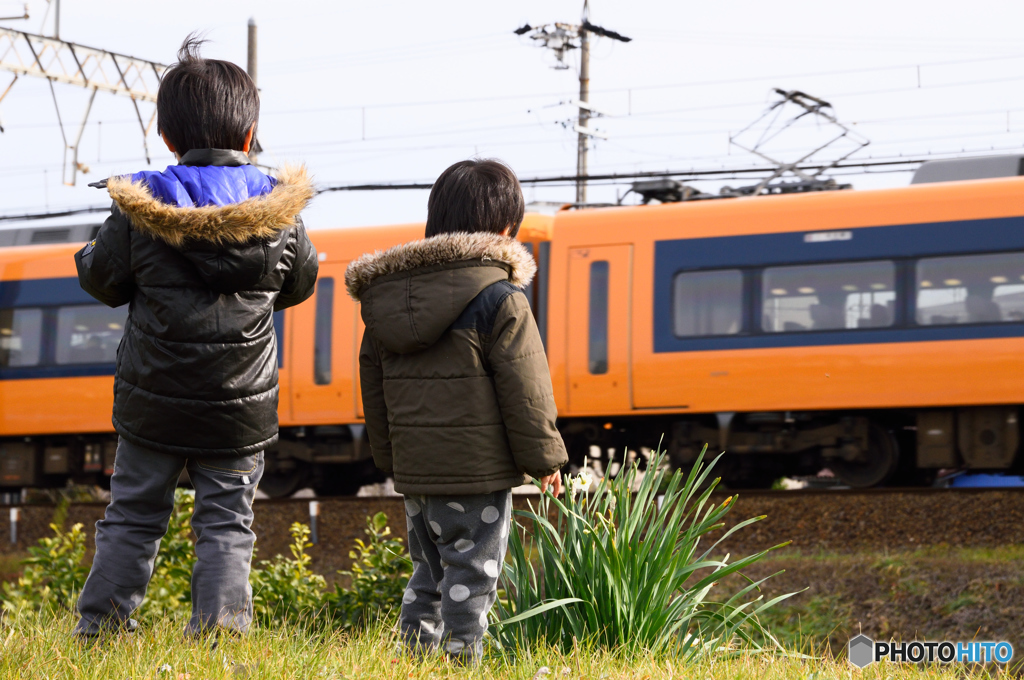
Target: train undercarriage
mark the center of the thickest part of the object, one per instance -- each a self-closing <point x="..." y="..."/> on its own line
<point x="862" y="449"/>
<point x="333" y="460"/>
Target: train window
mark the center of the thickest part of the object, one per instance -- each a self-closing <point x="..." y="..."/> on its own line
<point x="21" y="332"/>
<point x="598" y="327"/>
<point x="708" y="303"/>
<point x="970" y="289"/>
<point x="828" y="297"/>
<point x="322" y="331"/>
<point x="89" y="334"/>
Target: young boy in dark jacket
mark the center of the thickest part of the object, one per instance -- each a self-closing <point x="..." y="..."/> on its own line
<point x="457" y="396"/>
<point x="204" y="253"/>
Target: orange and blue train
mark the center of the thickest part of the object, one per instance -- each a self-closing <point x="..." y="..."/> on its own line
<point x="878" y="334"/>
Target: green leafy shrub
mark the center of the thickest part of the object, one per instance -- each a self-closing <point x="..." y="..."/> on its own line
<point x="53" y="574"/>
<point x="380" y="572"/>
<point x="620" y="568"/>
<point x="287" y="590"/>
<point x="170" y="589"/>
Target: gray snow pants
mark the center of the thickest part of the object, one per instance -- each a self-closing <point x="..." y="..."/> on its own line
<point x="457" y="544"/>
<point x="128" y="538"/>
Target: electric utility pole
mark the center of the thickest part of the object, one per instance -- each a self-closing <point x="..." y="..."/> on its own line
<point x="560" y="38"/>
<point x="583" y="142"/>
<point x="250" y="68"/>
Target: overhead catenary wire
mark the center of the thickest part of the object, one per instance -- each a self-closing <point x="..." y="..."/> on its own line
<point x="713" y="107"/>
<point x="890" y="164"/>
<point x="397" y="148"/>
<point x="641" y="114"/>
<point x="323" y="147"/>
<point x="68" y="212"/>
<point x="625" y="176"/>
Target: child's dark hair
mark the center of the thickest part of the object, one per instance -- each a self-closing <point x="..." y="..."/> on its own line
<point x="475" y="196"/>
<point x="205" y="103"/>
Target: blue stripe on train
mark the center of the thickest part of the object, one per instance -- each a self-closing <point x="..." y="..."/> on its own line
<point x="66" y="291"/>
<point x="865" y="243"/>
<point x="62" y="371"/>
<point x="42" y="293"/>
<point x="53" y="292"/>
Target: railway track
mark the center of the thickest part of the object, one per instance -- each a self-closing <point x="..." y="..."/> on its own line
<point x="723" y="492"/>
<point x="813" y="520"/>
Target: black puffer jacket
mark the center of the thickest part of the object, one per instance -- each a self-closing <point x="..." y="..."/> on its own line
<point x="204" y="263"/>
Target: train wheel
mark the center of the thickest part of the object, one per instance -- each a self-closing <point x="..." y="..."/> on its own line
<point x="280" y="482"/>
<point x="881" y="461"/>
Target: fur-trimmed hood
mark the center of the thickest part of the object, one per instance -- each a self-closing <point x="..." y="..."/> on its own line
<point x="233" y="243"/>
<point x="260" y="217"/>
<point x="412" y="293"/>
<point x="442" y="249"/>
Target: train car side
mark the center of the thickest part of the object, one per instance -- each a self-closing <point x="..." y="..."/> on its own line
<point x="878" y="333"/>
<point x="56" y="378"/>
<point x="323" y="441"/>
<point x="632" y="363"/>
<point x="57" y="357"/>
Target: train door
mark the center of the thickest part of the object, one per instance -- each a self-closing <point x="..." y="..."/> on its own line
<point x="322" y="349"/>
<point x="600" y="280"/>
<point x="358" y="340"/>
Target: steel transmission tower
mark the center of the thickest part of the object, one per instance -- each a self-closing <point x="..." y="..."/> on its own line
<point x="560" y="38"/>
<point x="95" y="69"/>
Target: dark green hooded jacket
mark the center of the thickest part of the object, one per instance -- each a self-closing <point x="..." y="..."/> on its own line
<point x="456" y="390"/>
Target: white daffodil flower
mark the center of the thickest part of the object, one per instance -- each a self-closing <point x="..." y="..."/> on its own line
<point x="583" y="481"/>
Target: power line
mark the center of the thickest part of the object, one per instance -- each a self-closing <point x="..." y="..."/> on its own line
<point x="320" y="145"/>
<point x="624" y="176"/>
<point x="711" y="107"/>
<point x="37" y="168"/>
<point x="820" y="42"/>
<point x="639" y="88"/>
<point x="58" y="213"/>
<point x="832" y="95"/>
<point x="95" y="69"/>
<point x="390" y="54"/>
<point x="893" y="164"/>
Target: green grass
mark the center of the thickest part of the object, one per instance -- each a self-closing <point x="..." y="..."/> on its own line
<point x="43" y="648"/>
<point x="805" y="627"/>
<point x="1005" y="553"/>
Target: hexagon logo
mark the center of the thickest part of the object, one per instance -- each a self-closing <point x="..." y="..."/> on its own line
<point x="861" y="651"/>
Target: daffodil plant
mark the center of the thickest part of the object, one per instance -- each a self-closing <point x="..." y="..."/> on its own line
<point x="623" y="566"/>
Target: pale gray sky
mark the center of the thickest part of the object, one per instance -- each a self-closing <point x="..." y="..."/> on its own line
<point x="446" y="80"/>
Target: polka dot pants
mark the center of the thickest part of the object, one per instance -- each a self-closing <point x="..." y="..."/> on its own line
<point x="457" y="545"/>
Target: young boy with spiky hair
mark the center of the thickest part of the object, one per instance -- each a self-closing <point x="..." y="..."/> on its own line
<point x="457" y="396"/>
<point x="204" y="253"/>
